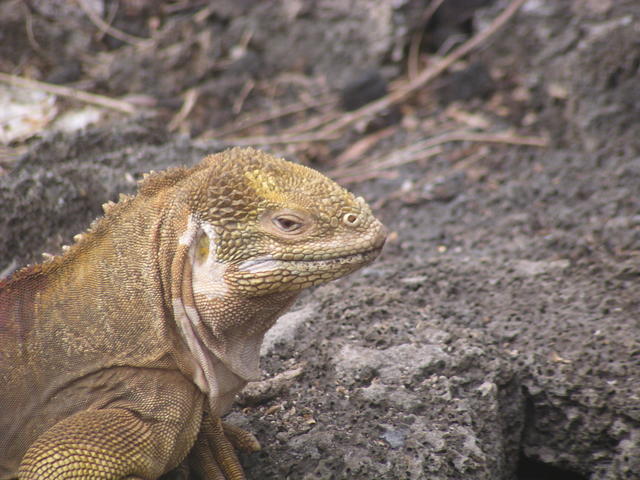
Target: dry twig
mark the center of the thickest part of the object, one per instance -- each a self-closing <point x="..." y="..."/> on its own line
<point x="315" y="122"/>
<point x="253" y="121"/>
<point x="467" y="136"/>
<point x="110" y="17"/>
<point x="366" y="175"/>
<point x="67" y="92"/>
<point x="396" y="159"/>
<point x="107" y="29"/>
<point x="190" y="98"/>
<point x="29" y="28"/>
<point x="244" y="93"/>
<point x="426" y="75"/>
<point x="279" y="139"/>
<point x="429" y="148"/>
<point x="178" y="7"/>
<point x="362" y="146"/>
<point x="413" y="61"/>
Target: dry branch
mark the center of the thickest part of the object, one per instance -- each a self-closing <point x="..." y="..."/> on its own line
<point x="107" y="29"/>
<point x="190" y="98"/>
<point x="416" y="40"/>
<point x="279" y="139"/>
<point x="362" y="146"/>
<point x="396" y="159"/>
<point x="253" y="121"/>
<point x="429" y="148"/>
<point x="427" y="74"/>
<point x="67" y="92"/>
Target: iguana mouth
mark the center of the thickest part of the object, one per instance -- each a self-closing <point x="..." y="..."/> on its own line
<point x="367" y="255"/>
<point x="266" y="264"/>
<point x="270" y="263"/>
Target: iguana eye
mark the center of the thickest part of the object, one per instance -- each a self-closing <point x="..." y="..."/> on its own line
<point x="287" y="223"/>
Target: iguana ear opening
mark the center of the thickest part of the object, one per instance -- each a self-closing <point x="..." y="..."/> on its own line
<point x="202" y="248"/>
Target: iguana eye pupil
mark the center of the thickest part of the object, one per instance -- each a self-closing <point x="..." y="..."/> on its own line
<point x="287" y="224"/>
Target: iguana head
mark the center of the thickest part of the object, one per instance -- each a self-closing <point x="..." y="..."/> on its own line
<point x="278" y="226"/>
<point x="252" y="232"/>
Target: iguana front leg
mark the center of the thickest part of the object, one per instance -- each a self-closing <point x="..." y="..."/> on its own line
<point x="115" y="443"/>
<point x="213" y="456"/>
<point x="112" y="443"/>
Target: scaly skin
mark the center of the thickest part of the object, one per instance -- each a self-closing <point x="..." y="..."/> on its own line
<point x="118" y="357"/>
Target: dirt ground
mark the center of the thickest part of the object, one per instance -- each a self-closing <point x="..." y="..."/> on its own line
<point x="498" y="335"/>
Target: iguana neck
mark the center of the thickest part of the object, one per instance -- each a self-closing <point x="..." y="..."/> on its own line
<point x="221" y="327"/>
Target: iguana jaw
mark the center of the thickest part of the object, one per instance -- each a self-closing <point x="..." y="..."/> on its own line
<point x="270" y="264"/>
<point x="298" y="274"/>
<point x="278" y="273"/>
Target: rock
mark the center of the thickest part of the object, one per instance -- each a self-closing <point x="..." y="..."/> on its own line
<point x="362" y="88"/>
<point x="285" y="329"/>
<point x="529" y="268"/>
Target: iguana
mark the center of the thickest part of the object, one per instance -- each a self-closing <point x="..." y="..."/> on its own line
<point x="118" y="357"/>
